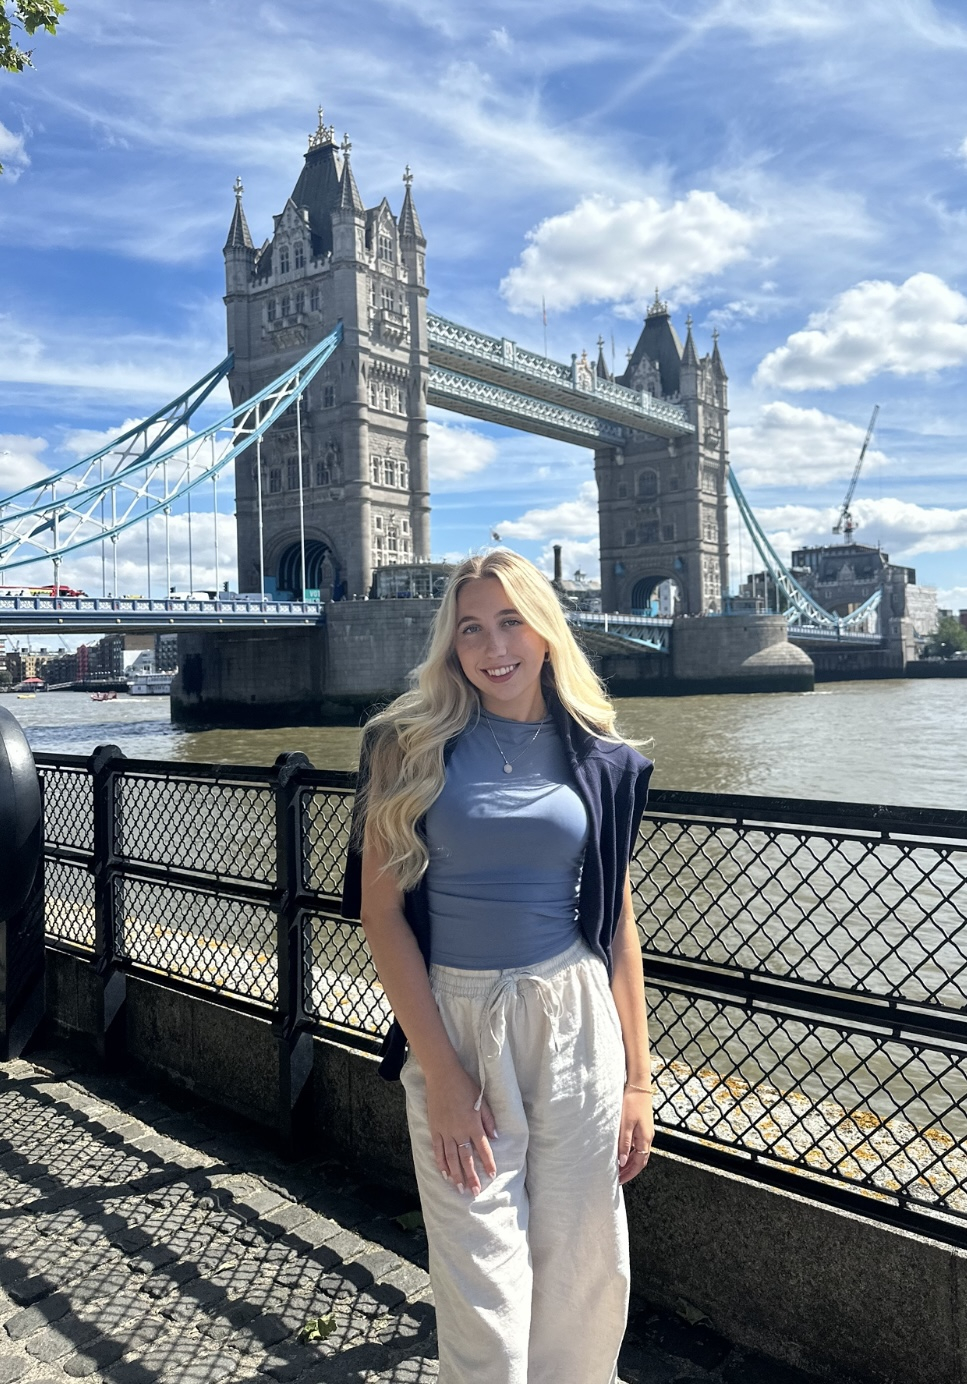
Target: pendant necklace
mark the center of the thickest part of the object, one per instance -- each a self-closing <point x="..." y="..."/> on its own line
<point x="509" y="763"/>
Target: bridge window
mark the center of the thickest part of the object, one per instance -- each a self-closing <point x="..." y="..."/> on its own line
<point x="275" y="480"/>
<point x="292" y="473"/>
<point x="283" y="259"/>
<point x="300" y="256"/>
<point x="673" y="483"/>
<point x="647" y="485"/>
<point x="404" y="475"/>
<point x="630" y="537"/>
<point x="387" y="298"/>
<point x="322" y="473"/>
<point x="300" y="301"/>
<point x="386" y="249"/>
<point x="668" y="533"/>
<point x="286" y="305"/>
<point x="270" y="310"/>
<point x="622" y="490"/>
<point x="328" y="396"/>
<point x="648" y="533"/>
<point x="314" y="299"/>
<point x="389" y="470"/>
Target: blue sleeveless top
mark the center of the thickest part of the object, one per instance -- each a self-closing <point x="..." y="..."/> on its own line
<point x="505" y="849"/>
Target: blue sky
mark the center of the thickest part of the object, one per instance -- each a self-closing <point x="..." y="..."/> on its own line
<point x="795" y="175"/>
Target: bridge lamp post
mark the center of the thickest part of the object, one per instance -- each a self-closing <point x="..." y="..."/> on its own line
<point x="258" y="478"/>
<point x="302" y="512"/>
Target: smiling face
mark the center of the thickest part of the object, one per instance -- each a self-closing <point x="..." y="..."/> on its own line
<point x="499" y="653"/>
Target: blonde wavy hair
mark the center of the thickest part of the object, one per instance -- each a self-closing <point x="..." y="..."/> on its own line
<point x="404" y="743"/>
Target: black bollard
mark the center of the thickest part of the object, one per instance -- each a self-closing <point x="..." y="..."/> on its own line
<point x="21" y="891"/>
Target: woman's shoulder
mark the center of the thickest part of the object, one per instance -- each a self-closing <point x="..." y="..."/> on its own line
<point x="620" y="758"/>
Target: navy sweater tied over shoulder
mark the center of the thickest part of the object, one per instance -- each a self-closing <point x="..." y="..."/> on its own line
<point x="612" y="780"/>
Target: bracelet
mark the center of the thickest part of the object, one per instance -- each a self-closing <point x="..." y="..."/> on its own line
<point x="645" y="1090"/>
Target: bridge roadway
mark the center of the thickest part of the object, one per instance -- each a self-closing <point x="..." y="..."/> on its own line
<point x="138" y="615"/>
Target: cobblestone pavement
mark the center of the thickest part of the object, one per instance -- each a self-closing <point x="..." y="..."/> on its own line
<point x="143" y="1241"/>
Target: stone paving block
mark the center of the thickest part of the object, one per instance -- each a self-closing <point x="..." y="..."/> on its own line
<point x="96" y="1356"/>
<point x="411" y="1280"/>
<point x="348" y="1245"/>
<point x="27" y="1290"/>
<point x="50" y="1309"/>
<point x="50" y="1345"/>
<point x="12" y="1368"/>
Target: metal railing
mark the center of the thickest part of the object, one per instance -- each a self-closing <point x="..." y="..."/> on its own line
<point x="806" y="961"/>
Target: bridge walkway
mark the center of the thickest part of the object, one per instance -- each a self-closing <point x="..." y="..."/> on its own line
<point x="150" y="1240"/>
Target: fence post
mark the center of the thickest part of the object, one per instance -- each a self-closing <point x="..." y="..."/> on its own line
<point x="21" y="891"/>
<point x="110" y="979"/>
<point x="295" y="1046"/>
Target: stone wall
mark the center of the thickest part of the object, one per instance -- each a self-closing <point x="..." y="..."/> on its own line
<point x="362" y="656"/>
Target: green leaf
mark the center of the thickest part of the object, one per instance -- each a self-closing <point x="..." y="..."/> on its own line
<point x="410" y="1220"/>
<point x="317" y="1329"/>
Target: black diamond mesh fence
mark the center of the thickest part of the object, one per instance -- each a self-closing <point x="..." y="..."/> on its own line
<point x="806" y="962"/>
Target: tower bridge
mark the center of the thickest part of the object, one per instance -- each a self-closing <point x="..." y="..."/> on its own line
<point x="333" y="361"/>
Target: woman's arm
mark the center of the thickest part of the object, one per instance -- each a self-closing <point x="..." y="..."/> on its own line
<point x="628" y="988"/>
<point x="451" y="1092"/>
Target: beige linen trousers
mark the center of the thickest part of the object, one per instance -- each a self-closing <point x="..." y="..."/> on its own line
<point x="531" y="1277"/>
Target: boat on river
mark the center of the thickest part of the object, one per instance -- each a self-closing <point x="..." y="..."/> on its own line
<point x="103" y="696"/>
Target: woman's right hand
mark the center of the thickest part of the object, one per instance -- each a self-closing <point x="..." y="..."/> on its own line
<point x="461" y="1133"/>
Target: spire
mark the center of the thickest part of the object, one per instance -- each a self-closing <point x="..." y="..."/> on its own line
<point x="409" y="222"/>
<point x="323" y="135"/>
<point x="689" y="356"/>
<point x="658" y="308"/>
<point x="238" y="234"/>
<point x="349" y="198"/>
<point x="717" y="365"/>
<point x="601" y="368"/>
<point x="319" y="186"/>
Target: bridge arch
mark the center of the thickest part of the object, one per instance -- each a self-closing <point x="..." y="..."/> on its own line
<point x="665" y="588"/>
<point x="322" y="570"/>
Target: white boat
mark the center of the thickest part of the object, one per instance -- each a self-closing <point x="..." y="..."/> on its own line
<point x="150" y="684"/>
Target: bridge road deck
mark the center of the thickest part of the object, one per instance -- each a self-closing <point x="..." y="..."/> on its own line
<point x="144" y="1241"/>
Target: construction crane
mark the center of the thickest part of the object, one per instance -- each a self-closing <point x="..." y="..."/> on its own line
<point x="844" y="524"/>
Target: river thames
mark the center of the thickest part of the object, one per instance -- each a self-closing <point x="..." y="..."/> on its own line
<point x="900" y="742"/>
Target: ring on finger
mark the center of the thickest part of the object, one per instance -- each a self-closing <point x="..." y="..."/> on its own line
<point x="468" y="1145"/>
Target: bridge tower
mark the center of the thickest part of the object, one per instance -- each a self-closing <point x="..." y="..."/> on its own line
<point x="662" y="503"/>
<point x="364" y="495"/>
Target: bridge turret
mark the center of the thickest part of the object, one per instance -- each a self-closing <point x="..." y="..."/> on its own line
<point x="663" y="502"/>
<point x="360" y="499"/>
<point x="413" y="260"/>
<point x="239" y="255"/>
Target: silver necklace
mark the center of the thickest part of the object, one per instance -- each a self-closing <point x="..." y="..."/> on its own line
<point x="509" y="763"/>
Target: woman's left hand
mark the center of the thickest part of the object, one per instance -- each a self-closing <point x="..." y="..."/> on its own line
<point x="636" y="1134"/>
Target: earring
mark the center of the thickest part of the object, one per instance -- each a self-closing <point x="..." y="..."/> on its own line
<point x="547" y="655"/>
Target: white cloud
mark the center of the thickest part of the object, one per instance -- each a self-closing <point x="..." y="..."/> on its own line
<point x="607" y="251"/>
<point x="570" y="519"/>
<point x="952" y="597"/>
<point x="456" y="451"/>
<point x="105" y="361"/>
<point x="903" y="529"/>
<point x="20" y="463"/>
<point x="83" y="441"/>
<point x="962" y="151"/>
<point x="13" y="153"/>
<point x="805" y="444"/>
<point x="913" y="328"/>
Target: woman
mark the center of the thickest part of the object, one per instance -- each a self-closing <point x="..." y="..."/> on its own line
<point x="495" y="819"/>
